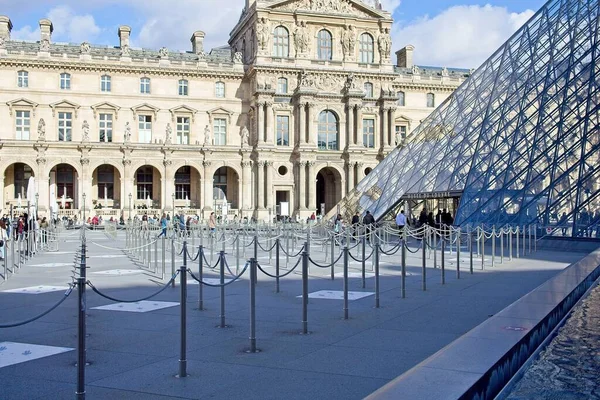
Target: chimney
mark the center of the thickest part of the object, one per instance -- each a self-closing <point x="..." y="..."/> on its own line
<point x="404" y="57"/>
<point x="46" y="29"/>
<point x="197" y="40"/>
<point x="124" y="32"/>
<point x="5" y="27"/>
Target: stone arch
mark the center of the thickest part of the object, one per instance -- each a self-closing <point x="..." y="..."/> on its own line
<point x="136" y="164"/>
<point x="75" y="163"/>
<point x="187" y="179"/>
<point x="16" y="175"/>
<point x="117" y="164"/>
<point x="147" y="186"/>
<point x="107" y="188"/>
<point x="227" y="181"/>
<point x="186" y="163"/>
<point x="65" y="188"/>
<point x="329" y="183"/>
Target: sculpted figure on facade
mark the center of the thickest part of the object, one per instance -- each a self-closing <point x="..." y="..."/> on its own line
<point x="384" y="43"/>
<point x="85" y="48"/>
<point x="41" y="130"/>
<point x="262" y="33"/>
<point x="125" y="51"/>
<point x="45" y="45"/>
<point x="351" y="83"/>
<point x="301" y="38"/>
<point x="348" y="40"/>
<point x="127" y="136"/>
<point x="245" y="137"/>
<point x="415" y="70"/>
<point x="2" y="42"/>
<point x="207" y="141"/>
<point x="163" y="52"/>
<point x="306" y="79"/>
<point x="168" y="134"/>
<point x="237" y="57"/>
<point x="85" y="129"/>
<point x="445" y="72"/>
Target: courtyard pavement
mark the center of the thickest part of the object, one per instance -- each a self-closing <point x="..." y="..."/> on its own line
<point x="134" y="354"/>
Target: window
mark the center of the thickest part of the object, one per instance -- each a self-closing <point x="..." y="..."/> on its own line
<point x="220" y="90"/>
<point x="281" y="40"/>
<point x="22" y="174"/>
<point x="22" y="125"/>
<point x="368" y="89"/>
<point x="106" y="182"/>
<point x="282" y="85"/>
<point x="145" y="128"/>
<point x="366" y="48"/>
<point x="400" y="133"/>
<point x="220" y="184"/>
<point x="369" y="133"/>
<point x="283" y="130"/>
<point x="182" y="183"/>
<point x="144" y="178"/>
<point x="105" y="127"/>
<point x="328" y="131"/>
<point x="65" y="81"/>
<point x="401" y="99"/>
<point x="324" y="45"/>
<point x="23" y="79"/>
<point x="183" y="87"/>
<point x="220" y="131"/>
<point x="183" y="130"/>
<point x="65" y="126"/>
<point x="430" y="100"/>
<point x="65" y="181"/>
<point x="105" y="83"/>
<point x="145" y="85"/>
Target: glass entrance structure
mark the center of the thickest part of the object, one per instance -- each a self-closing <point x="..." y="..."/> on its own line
<point x="520" y="138"/>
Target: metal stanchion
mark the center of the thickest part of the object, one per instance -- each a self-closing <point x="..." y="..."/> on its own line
<point x="403" y="270"/>
<point x="501" y="245"/>
<point x="529" y="234"/>
<point x="443" y="262"/>
<point x="510" y="247"/>
<point x="376" y="264"/>
<point x="471" y="252"/>
<point x="424" y="263"/>
<point x="200" y="272"/>
<point x="183" y="305"/>
<point x="493" y="246"/>
<point x="332" y="258"/>
<point x="434" y="248"/>
<point x="253" y="279"/>
<point x="535" y="236"/>
<point x="363" y="261"/>
<point x="81" y="326"/>
<point x="345" y="250"/>
<point x="173" y="260"/>
<point x="155" y="255"/>
<point x="237" y="253"/>
<point x="287" y="248"/>
<point x="304" y="292"/>
<point x="222" y="288"/>
<point x="482" y="248"/>
<point x="457" y="253"/>
<point x="163" y="251"/>
<point x="277" y="244"/>
<point x="517" y="235"/>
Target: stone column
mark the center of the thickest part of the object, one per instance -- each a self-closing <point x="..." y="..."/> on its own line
<point x="269" y="194"/>
<point x="168" y="187"/>
<point x="384" y="130"/>
<point x="350" y="119"/>
<point x="301" y="124"/>
<point x="350" y="178"/>
<point x="360" y="172"/>
<point x="359" y="126"/>
<point x="270" y="133"/>
<point x="302" y="185"/>
<point x="43" y="187"/>
<point x="86" y="185"/>
<point x="312" y="131"/>
<point x="312" y="186"/>
<point x="246" y="185"/>
<point x="260" y="185"/>
<point x="260" y="118"/>
<point x="208" y="187"/>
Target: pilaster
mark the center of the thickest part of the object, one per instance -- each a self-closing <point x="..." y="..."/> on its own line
<point x="312" y="187"/>
<point x="269" y="180"/>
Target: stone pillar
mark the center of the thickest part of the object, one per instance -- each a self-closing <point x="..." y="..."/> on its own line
<point x="260" y="117"/>
<point x="312" y="186"/>
<point x="350" y="178"/>
<point x="360" y="172"/>
<point x="269" y="194"/>
<point x="260" y="185"/>
<point x="301" y="124"/>
<point x="302" y="185"/>
<point x="2" y="205"/>
<point x="311" y="129"/>
<point x="247" y="185"/>
<point x="350" y="119"/>
<point x="208" y="187"/>
<point x="270" y="133"/>
<point x="85" y="185"/>
<point x="384" y="130"/>
<point x="359" y="126"/>
<point x="43" y="191"/>
<point x="168" y="187"/>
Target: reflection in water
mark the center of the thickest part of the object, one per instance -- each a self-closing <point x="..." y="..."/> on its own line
<point x="568" y="368"/>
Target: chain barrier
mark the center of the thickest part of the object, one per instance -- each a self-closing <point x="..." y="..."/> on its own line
<point x="48" y="311"/>
<point x="291" y="255"/>
<point x="280" y="276"/>
<point x="236" y="277"/>
<point x="98" y="292"/>
<point x="328" y="265"/>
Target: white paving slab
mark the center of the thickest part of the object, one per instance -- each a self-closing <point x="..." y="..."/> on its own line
<point x="37" y="289"/>
<point x="109" y="256"/>
<point x="52" y="265"/>
<point x="337" y="295"/>
<point x="15" y="353"/>
<point x="139" y="307"/>
<point x="355" y="274"/>
<point x="210" y="281"/>
<point x="119" y="272"/>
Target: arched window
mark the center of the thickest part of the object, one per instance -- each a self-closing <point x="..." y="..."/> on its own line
<point x="368" y="89"/>
<point x="324" y="45"/>
<point x="430" y="100"/>
<point x="183" y="183"/>
<point x="366" y="48"/>
<point x="65" y="81"/>
<point x="282" y="85"/>
<point x="328" y="131"/>
<point x="144" y="179"/>
<point x="281" y="39"/>
<point x="401" y="99"/>
<point x="220" y="90"/>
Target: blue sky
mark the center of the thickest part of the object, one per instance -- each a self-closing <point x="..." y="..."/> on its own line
<point x="453" y="33"/>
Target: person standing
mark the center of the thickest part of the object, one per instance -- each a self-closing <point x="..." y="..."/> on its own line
<point x="401" y="221"/>
<point x="355" y="222"/>
<point x="3" y="239"/>
<point x="368" y="221"/>
<point x="212" y="222"/>
<point x="163" y="226"/>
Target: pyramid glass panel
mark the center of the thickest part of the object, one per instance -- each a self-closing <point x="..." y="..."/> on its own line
<point x="518" y="142"/>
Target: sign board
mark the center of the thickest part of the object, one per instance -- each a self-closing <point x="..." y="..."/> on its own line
<point x="285" y="208"/>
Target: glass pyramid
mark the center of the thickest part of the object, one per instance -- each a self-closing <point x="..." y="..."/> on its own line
<point x="519" y="141"/>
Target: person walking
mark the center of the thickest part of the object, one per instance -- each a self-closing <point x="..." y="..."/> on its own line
<point x="3" y="239"/>
<point x="355" y="221"/>
<point x="163" y="226"/>
<point x="368" y="222"/>
<point x="401" y="222"/>
<point x="212" y="222"/>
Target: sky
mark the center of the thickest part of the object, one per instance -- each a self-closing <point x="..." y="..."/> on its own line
<point x="450" y="33"/>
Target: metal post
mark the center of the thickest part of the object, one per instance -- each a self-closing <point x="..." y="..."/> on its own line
<point x="403" y="269"/>
<point x="155" y="255"/>
<point x="457" y="253"/>
<point x="81" y="325"/>
<point x="162" y="275"/>
<point x="518" y="255"/>
<point x="424" y="263"/>
<point x="493" y="247"/>
<point x="237" y="253"/>
<point x="443" y="262"/>
<point x="471" y="252"/>
<point x="535" y="237"/>
<point x="200" y="278"/>
<point x="482" y="248"/>
<point x="529" y="234"/>
<point x="304" y="292"/>
<point x="183" y="305"/>
<point x="253" y="279"/>
<point x="222" y="281"/>
<point x="332" y="251"/>
<point x="345" y="250"/>
<point x="287" y="247"/>
<point x="501" y="245"/>
<point x="434" y="248"/>
<point x="256" y="249"/>
<point x="376" y="261"/>
<point x="277" y="244"/>
<point x="510" y="247"/>
<point x="363" y="261"/>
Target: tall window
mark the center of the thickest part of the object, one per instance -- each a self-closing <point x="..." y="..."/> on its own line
<point x="145" y="128"/>
<point x="106" y="182"/>
<point x="65" y="81"/>
<point x="183" y="87"/>
<point x="182" y="183"/>
<point x="401" y="132"/>
<point x="401" y="99"/>
<point x="105" y="127"/>
<point x="220" y="184"/>
<point x="22" y="125"/>
<point x="145" y="85"/>
<point x="324" y="45"/>
<point x="23" y="79"/>
<point x="144" y="179"/>
<point x="430" y="100"/>
<point x="65" y="126"/>
<point x="220" y="131"/>
<point x="220" y="90"/>
<point x="22" y="174"/>
<point x="282" y="85"/>
<point x="369" y="133"/>
<point x="328" y="131"/>
<point x="105" y="83"/>
<point x="366" y="48"/>
<point x="65" y="181"/>
<point x="283" y="130"/>
<point x="183" y="130"/>
<point x="281" y="42"/>
<point x="368" y="89"/>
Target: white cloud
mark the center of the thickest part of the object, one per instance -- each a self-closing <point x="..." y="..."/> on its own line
<point x="461" y="36"/>
<point x="26" y="33"/>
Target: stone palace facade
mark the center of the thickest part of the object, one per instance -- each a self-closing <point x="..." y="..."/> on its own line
<point x="287" y="118"/>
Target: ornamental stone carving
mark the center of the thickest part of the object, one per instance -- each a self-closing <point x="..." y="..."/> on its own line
<point x="2" y="42"/>
<point x="85" y="48"/>
<point x="168" y="134"/>
<point x="307" y="80"/>
<point x="163" y="52"/>
<point x="41" y="130"/>
<point x="301" y="38"/>
<point x="325" y="6"/>
<point x="384" y="43"/>
<point x="125" y="51"/>
<point x="237" y="57"/>
<point x="85" y="131"/>
<point x="127" y="135"/>
<point x="262" y="33"/>
<point x="45" y="45"/>
<point x="348" y="40"/>
<point x="351" y="83"/>
<point x="207" y="141"/>
<point x="245" y="137"/>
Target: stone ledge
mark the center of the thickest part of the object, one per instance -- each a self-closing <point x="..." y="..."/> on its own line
<point x="480" y="363"/>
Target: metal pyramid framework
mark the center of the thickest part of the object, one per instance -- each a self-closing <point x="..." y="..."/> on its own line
<point x="520" y="138"/>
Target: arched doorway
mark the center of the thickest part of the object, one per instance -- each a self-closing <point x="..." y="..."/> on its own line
<point x="329" y="189"/>
<point x="187" y="188"/>
<point x="64" y="189"/>
<point x="16" y="178"/>
<point x="147" y="188"/>
<point x="226" y="192"/>
<point x="106" y="187"/>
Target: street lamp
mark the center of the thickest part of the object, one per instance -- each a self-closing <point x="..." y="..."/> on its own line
<point x="129" y="219"/>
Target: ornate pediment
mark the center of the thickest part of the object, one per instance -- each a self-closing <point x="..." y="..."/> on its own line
<point x="144" y="108"/>
<point x="341" y="7"/>
<point x="219" y="111"/>
<point x="182" y="109"/>
<point x="64" y="104"/>
<point x="105" y="106"/>
<point x="21" y="103"/>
